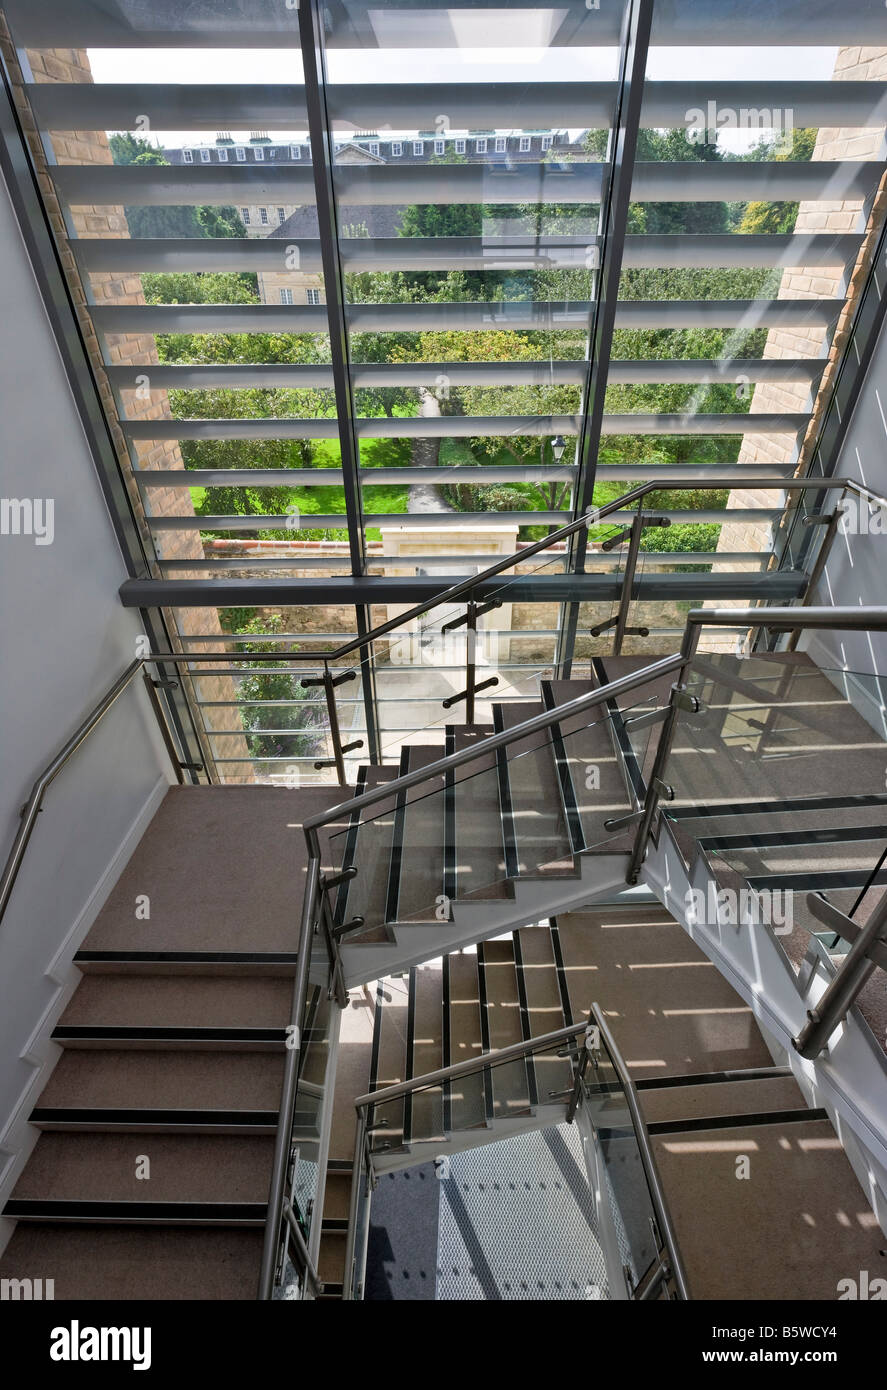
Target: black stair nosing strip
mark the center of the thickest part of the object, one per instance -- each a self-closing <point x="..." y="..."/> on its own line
<point x="754" y="1119"/>
<point x="395" y="863"/>
<point x="349" y="852"/>
<point x="798" y="803"/>
<point x="524" y="1010"/>
<point x="561" y="969"/>
<point x="168" y="1212"/>
<point x="446" y="1037"/>
<point x="569" y="804"/>
<point x="340" y="1165"/>
<point x="409" y="1061"/>
<point x="621" y="736"/>
<point x="761" y="839"/>
<point x="186" y="957"/>
<point x="812" y="881"/>
<point x="165" y="1033"/>
<point x="332" y="1290"/>
<point x="705" y="1078"/>
<point x="333" y="1225"/>
<point x="149" y="1115"/>
<point x="506" y="806"/>
<point x="373" y="1079"/>
<point x="489" y="1106"/>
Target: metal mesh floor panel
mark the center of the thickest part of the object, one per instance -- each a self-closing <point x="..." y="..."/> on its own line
<point x="517" y="1221"/>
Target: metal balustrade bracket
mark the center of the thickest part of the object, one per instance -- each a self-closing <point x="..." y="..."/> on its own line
<point x="343" y="678"/>
<point x="683" y="700"/>
<point x="328" y="882"/>
<point x="663" y="789"/>
<point x="820" y="519"/>
<point x="624" y="822"/>
<point x="164" y="684"/>
<point x="346" y="928"/>
<point x="844" y="926"/>
<point x="191" y="767"/>
<point x="307" y="681"/>
<point x="643" y="721"/>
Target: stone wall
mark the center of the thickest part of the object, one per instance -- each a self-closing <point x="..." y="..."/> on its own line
<point x="838" y="215"/>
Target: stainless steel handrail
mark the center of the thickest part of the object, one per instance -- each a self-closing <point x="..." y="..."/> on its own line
<point x="482" y="747"/>
<point x="473" y="1064"/>
<point x="591" y="518"/>
<point x="500" y="1057"/>
<point x="651" y="1170"/>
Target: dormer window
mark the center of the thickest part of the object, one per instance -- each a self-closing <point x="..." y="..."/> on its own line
<point x="295" y="151"/>
<point x="547" y="142"/>
<point x="501" y="144"/>
<point x="396" y="149"/>
<point x="223" y="154"/>
<point x="418" y="147"/>
<point x="480" y="146"/>
<point x="524" y="143"/>
<point x="204" y="156"/>
<point x="188" y="156"/>
<point x="440" y="147"/>
<point x="258" y="153"/>
<point x="240" y="154"/>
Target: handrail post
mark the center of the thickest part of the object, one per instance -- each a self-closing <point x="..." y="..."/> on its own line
<point x="819" y="564"/>
<point x="627" y="596"/>
<point x="663" y="752"/>
<point x="841" y="992"/>
<point x="290" y="1087"/>
<point x="358" y="1176"/>
<point x="333" y="715"/>
<point x="470" y="659"/>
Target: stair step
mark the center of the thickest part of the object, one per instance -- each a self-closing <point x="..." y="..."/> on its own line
<point x="418" y="855"/>
<point x="249" y="964"/>
<point x="706" y="1099"/>
<point x="476" y="828"/>
<point x="207" y="891"/>
<point x="221" y="1003"/>
<point x="368" y="846"/>
<point x="123" y="1262"/>
<point x="535" y="816"/>
<point x="501" y="1011"/>
<point x="188" y="1168"/>
<point x="534" y="955"/>
<point x="465" y="1095"/>
<point x="671" y="1010"/>
<point x="798" y="1224"/>
<point x="389" y="1054"/>
<point x="175" y="1213"/>
<point x="185" y="1081"/>
<point x="595" y="781"/>
<point x="426" y="1051"/>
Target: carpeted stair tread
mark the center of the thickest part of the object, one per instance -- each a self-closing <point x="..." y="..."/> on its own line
<point x="221" y="867"/>
<point x="199" y="1080"/>
<point x="192" y="1001"/>
<point x="796" y="1227"/>
<point x="183" y="1168"/>
<point x="122" y="1263"/>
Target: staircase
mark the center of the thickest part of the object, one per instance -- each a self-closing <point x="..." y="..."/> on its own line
<point x="156" y="1126"/>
